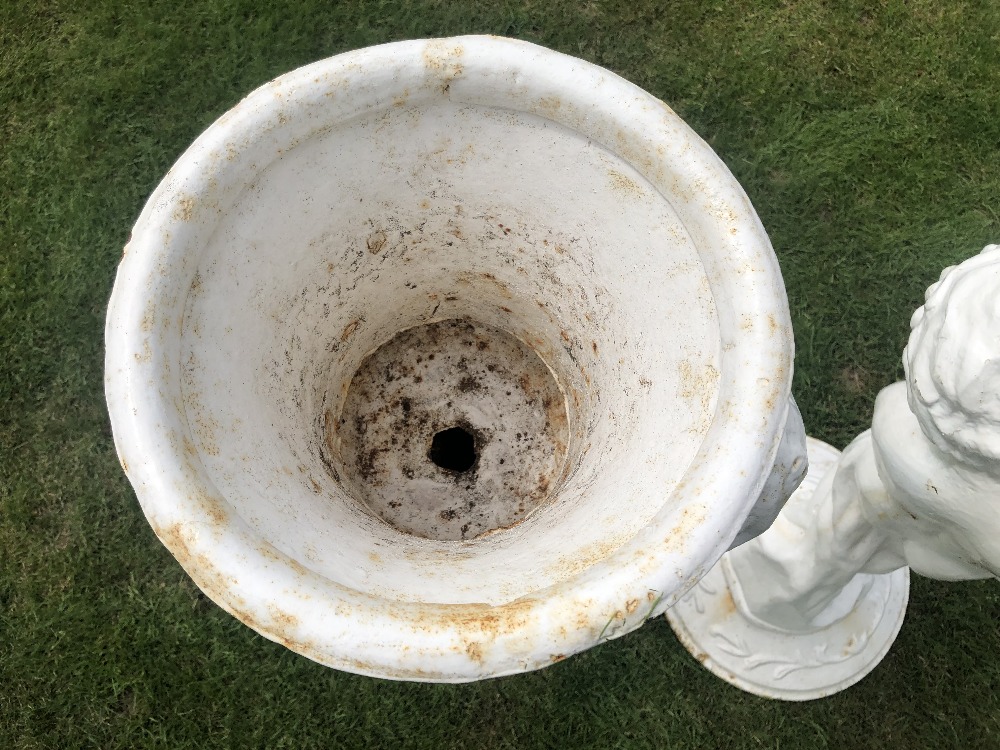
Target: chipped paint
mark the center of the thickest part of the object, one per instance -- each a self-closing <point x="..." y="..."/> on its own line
<point x="625" y="185"/>
<point x="185" y="208"/>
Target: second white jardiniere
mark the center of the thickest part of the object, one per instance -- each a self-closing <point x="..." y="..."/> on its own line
<point x="812" y="606"/>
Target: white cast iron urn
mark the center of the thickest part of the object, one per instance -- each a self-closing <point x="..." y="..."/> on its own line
<point x="448" y="359"/>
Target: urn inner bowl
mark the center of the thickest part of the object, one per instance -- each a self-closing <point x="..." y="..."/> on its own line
<point x="458" y="231"/>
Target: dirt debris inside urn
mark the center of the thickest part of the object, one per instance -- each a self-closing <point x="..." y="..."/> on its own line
<point x="477" y="388"/>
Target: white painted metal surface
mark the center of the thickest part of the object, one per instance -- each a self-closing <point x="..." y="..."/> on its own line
<point x="767" y="650"/>
<point x="811" y="606"/>
<point x="479" y="180"/>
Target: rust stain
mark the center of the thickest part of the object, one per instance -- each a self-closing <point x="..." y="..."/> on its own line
<point x="439" y="56"/>
<point x="179" y="538"/>
<point x="676" y="540"/>
<point x="587" y="557"/>
<point x="185" y="209"/>
<point x="727" y="605"/>
<point x="504" y="289"/>
<point x="382" y="670"/>
<point x="476" y="618"/>
<point x="349" y="330"/>
<point x="218" y="516"/>
<point x="146" y="355"/>
<point x="400" y="101"/>
<point x="699" y="385"/>
<point x="376" y="242"/>
<point x="770" y="402"/>
<point x="631" y="605"/>
<point x="281" y="618"/>
<point x="475" y="651"/>
<point x="543" y="484"/>
<point x="176" y="537"/>
<point x="444" y="61"/>
<point x="624" y="184"/>
<point x="205" y="427"/>
<point x="274" y="555"/>
<point x="549" y="105"/>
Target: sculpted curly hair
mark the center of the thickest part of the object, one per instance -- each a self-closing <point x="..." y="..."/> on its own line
<point x="952" y="361"/>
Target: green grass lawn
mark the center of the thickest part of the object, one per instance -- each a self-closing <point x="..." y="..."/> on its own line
<point x="867" y="135"/>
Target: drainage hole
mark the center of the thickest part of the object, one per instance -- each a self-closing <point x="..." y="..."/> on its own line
<point x="454" y="449"/>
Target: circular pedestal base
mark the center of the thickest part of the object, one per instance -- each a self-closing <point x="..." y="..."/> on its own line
<point x="788" y="665"/>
